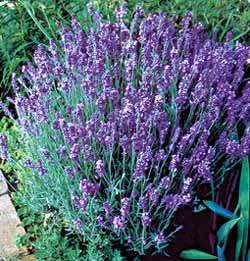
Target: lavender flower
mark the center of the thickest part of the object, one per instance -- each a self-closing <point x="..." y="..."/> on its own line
<point x="125" y="207"/>
<point x="28" y="163"/>
<point x="80" y="202"/>
<point x="70" y="172"/>
<point x="75" y="151"/>
<point x="146" y="219"/>
<point x="160" y="238"/>
<point x="143" y="202"/>
<point x="100" y="220"/>
<point x="107" y="207"/>
<point x="119" y="222"/>
<point x="89" y="188"/>
<point x="41" y="170"/>
<point x="165" y="182"/>
<point x="100" y="168"/>
<point x="78" y="224"/>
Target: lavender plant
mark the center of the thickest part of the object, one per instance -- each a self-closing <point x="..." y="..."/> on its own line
<point x="122" y="123"/>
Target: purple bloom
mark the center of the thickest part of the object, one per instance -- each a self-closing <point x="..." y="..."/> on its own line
<point x="146" y="219"/>
<point x="91" y="9"/>
<point x="203" y="170"/>
<point x="125" y="207"/>
<point x="100" y="168"/>
<point x="28" y="163"/>
<point x="75" y="151"/>
<point x="80" y="202"/>
<point x="119" y="222"/>
<point x="129" y="239"/>
<point x="165" y="182"/>
<point x="89" y="188"/>
<point x="142" y="164"/>
<point x="172" y="201"/>
<point x="100" y="220"/>
<point x="46" y="153"/>
<point x="107" y="207"/>
<point x="41" y="170"/>
<point x="187" y="183"/>
<point x="143" y="202"/>
<point x="160" y="238"/>
<point x="70" y="172"/>
<point x="134" y="194"/>
<point x="153" y="195"/>
<point x="78" y="224"/>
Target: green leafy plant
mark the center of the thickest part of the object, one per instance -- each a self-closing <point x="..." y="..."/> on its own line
<point x="11" y="169"/>
<point x="51" y="245"/>
<point x="239" y="218"/>
<point x="47" y="236"/>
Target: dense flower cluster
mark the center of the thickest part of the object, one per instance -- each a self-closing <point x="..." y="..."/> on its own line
<point x="133" y="118"/>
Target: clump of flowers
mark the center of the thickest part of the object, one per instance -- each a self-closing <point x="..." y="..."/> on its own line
<point x="132" y="119"/>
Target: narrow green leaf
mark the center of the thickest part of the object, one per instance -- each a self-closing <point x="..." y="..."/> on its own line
<point x="244" y="194"/>
<point x="245" y="238"/>
<point x="31" y="13"/>
<point x="220" y="253"/>
<point x="224" y="231"/>
<point x="217" y="209"/>
<point x="196" y="254"/>
<point x="244" y="191"/>
<point x="248" y="255"/>
<point x="240" y="235"/>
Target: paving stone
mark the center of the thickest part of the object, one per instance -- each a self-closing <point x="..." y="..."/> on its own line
<point x="3" y="184"/>
<point x="8" y="227"/>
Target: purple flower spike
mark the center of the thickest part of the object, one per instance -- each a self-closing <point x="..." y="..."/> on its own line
<point x="125" y="207"/>
<point x="41" y="170"/>
<point x="160" y="238"/>
<point x="70" y="172"/>
<point x="119" y="222"/>
<point x="28" y="163"/>
<point x="146" y="219"/>
<point x="75" y="151"/>
<point x="80" y="202"/>
<point x="89" y="188"/>
<point x="100" y="168"/>
<point x="100" y="220"/>
<point x="165" y="182"/>
<point x="78" y="224"/>
<point x="107" y="207"/>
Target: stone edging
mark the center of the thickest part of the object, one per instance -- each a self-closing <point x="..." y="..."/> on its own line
<point x="9" y="225"/>
<point x="3" y="184"/>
